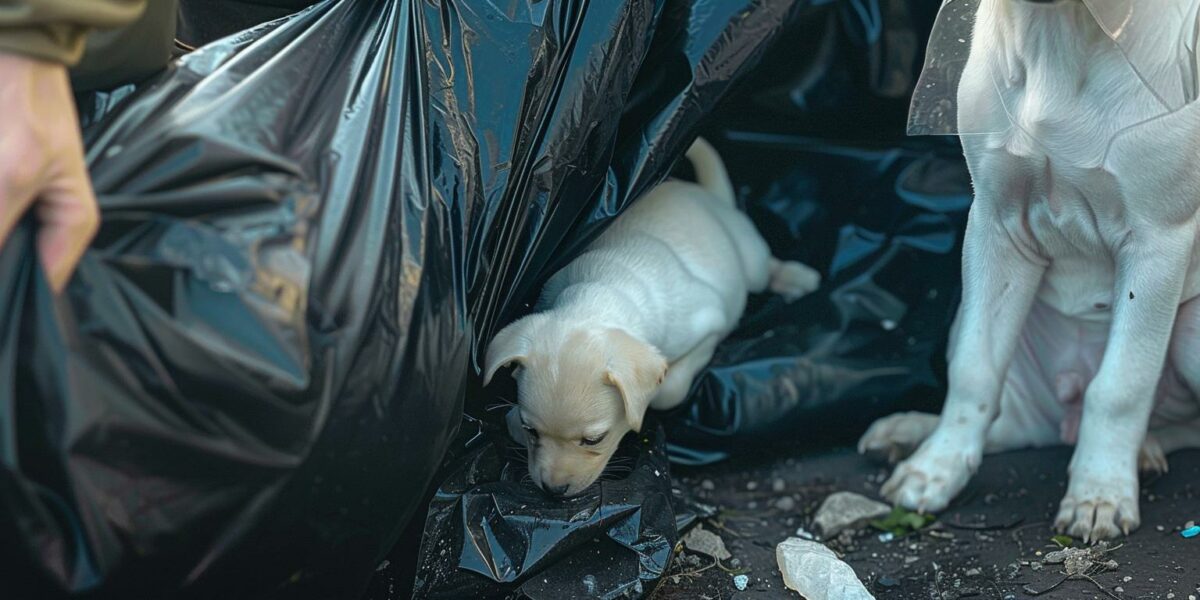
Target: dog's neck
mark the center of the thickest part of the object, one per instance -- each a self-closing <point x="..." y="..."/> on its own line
<point x="1061" y="39"/>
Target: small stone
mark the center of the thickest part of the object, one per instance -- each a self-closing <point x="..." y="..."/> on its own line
<point x="778" y="485"/>
<point x="1126" y="579"/>
<point x="1189" y="525"/>
<point x="735" y="563"/>
<point x="752" y="485"/>
<point x="1160" y="528"/>
<point x="887" y="536"/>
<point x="786" y="504"/>
<point x="973" y="572"/>
<point x="847" y="510"/>
<point x="1170" y="595"/>
<point x="1119" y="590"/>
<point x="887" y="581"/>
<point x="707" y="485"/>
<point x="706" y="542"/>
<point x="908" y="560"/>
<point x="589" y="584"/>
<point x="740" y="582"/>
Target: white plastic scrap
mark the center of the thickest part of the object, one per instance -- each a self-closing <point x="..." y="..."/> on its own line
<point x="817" y="573"/>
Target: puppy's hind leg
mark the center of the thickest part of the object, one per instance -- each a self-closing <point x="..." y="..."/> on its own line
<point x="793" y="280"/>
<point x="678" y="382"/>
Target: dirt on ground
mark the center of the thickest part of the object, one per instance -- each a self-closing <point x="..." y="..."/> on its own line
<point x="994" y="542"/>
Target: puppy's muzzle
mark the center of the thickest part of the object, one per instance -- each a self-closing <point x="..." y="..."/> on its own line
<point x="557" y="491"/>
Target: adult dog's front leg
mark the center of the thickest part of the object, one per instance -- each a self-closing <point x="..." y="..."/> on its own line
<point x="1000" y="279"/>
<point x="1101" y="499"/>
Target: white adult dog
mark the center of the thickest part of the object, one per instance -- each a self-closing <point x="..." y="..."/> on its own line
<point x="1079" y="320"/>
<point x="629" y="323"/>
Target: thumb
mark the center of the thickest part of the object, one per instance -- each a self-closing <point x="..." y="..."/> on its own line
<point x="69" y="220"/>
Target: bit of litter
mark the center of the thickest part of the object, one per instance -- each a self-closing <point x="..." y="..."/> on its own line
<point x="1082" y="561"/>
<point x="786" y="504"/>
<point x="887" y="536"/>
<point x="1191" y="532"/>
<point x="817" y="573"/>
<point x="778" y="485"/>
<point x="740" y="582"/>
<point x="847" y="510"/>
<point x="589" y="583"/>
<point x="705" y="542"/>
<point x="803" y="533"/>
<point x="1063" y="541"/>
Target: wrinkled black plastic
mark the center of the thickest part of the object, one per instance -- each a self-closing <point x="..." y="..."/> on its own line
<point x="256" y="370"/>
<point x="615" y="539"/>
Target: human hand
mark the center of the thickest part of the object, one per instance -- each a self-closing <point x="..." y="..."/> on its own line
<point x="41" y="164"/>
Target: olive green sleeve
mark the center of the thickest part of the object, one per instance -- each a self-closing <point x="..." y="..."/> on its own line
<point x="55" y="30"/>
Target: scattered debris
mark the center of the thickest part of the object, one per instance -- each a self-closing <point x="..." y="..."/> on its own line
<point x="1080" y="563"/>
<point x="1191" y="532"/>
<point x="901" y="522"/>
<point x="887" y="536"/>
<point x="778" y="485"/>
<point x="786" y="504"/>
<point x="1063" y="541"/>
<point x="708" y="485"/>
<point x="803" y="533"/>
<point x="589" y="584"/>
<point x="816" y="572"/>
<point x="740" y="582"/>
<point x="847" y="510"/>
<point x="705" y="542"/>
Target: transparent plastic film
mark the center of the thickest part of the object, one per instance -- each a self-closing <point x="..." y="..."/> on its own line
<point x="1154" y="42"/>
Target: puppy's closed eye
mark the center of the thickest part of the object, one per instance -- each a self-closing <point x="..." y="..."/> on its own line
<point x="592" y="441"/>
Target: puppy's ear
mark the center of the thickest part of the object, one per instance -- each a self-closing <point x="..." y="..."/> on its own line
<point x="636" y="369"/>
<point x="509" y="346"/>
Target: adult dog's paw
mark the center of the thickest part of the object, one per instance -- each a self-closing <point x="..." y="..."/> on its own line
<point x="932" y="477"/>
<point x="1099" y="506"/>
<point x="1152" y="459"/>
<point x="895" y="437"/>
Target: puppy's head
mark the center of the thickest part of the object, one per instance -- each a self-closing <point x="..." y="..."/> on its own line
<point x="580" y="390"/>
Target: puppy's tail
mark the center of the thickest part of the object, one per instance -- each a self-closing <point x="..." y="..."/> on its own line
<point x="710" y="171"/>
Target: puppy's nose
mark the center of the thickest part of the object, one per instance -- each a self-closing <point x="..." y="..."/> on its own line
<point x="555" y="490"/>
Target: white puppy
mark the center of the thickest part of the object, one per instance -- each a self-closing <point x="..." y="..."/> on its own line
<point x="629" y="323"/>
<point x="1079" y="321"/>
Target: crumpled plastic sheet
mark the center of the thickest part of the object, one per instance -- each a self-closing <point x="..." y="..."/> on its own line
<point x="614" y="540"/>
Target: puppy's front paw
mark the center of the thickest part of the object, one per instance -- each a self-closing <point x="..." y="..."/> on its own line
<point x="1151" y="459"/>
<point x="932" y="477"/>
<point x="895" y="437"/>
<point x="1099" y="507"/>
<point x="794" y="280"/>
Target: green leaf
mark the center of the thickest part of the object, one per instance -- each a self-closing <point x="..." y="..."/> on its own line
<point x="1064" y="541"/>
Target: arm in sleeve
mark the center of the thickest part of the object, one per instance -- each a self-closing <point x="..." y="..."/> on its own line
<point x="55" y="30"/>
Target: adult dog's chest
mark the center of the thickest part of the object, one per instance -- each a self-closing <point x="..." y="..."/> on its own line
<point x="1053" y="152"/>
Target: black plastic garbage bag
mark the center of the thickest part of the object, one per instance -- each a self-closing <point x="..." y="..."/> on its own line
<point x="616" y="539"/>
<point x="255" y="373"/>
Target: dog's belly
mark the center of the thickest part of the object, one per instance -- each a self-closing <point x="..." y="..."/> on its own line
<point x="1057" y="358"/>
